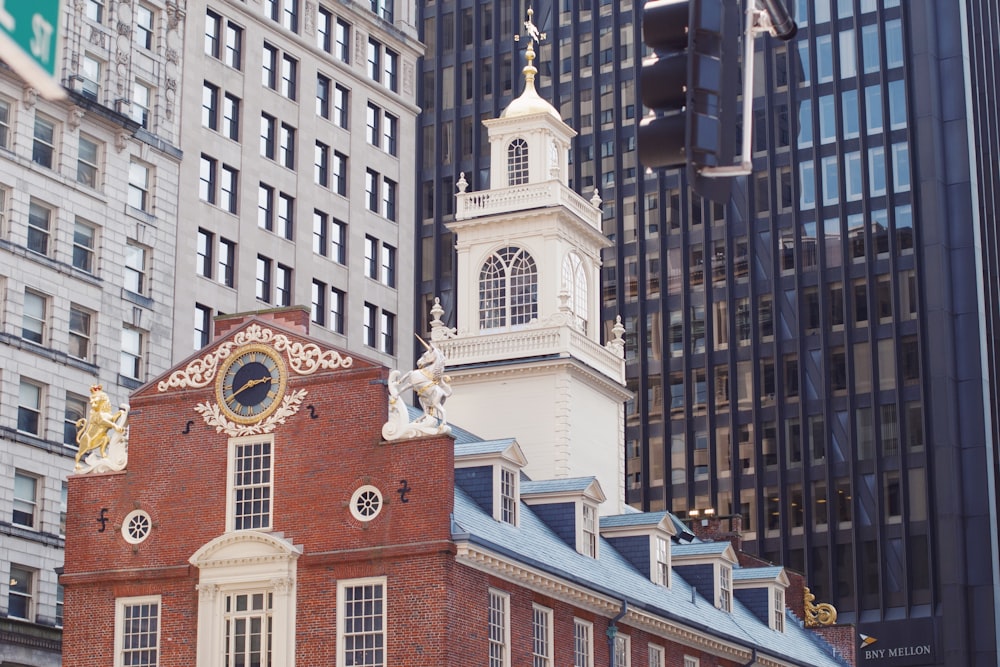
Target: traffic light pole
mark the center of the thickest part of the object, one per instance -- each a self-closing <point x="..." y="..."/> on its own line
<point x="759" y="20"/>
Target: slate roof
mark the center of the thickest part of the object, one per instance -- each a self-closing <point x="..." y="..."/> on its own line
<point x="700" y="548"/>
<point x="482" y="447"/>
<point x="754" y="573"/>
<point x="562" y="485"/>
<point x="637" y="519"/>
<point x="535" y="545"/>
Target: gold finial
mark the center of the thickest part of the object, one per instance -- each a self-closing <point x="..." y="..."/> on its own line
<point x="818" y="614"/>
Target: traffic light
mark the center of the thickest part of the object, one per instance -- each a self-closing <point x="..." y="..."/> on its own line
<point x="689" y="83"/>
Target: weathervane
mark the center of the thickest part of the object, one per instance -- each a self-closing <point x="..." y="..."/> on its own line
<point x="533" y="34"/>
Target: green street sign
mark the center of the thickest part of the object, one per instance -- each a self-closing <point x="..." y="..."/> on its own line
<point x="29" y="36"/>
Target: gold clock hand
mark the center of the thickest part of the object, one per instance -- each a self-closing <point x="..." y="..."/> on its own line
<point x="251" y="383"/>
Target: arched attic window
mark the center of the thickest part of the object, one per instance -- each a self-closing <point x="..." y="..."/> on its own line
<point x="508" y="289"/>
<point x="517" y="162"/>
<point x="574" y="281"/>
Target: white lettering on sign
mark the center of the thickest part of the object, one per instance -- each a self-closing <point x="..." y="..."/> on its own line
<point x="901" y="652"/>
<point x="40" y="43"/>
<point x="6" y="20"/>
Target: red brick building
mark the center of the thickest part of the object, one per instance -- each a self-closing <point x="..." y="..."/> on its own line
<point x="262" y="520"/>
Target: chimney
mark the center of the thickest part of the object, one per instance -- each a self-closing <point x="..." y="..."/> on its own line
<point x="710" y="527"/>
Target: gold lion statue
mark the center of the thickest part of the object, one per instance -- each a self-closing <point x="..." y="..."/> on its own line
<point x="94" y="431"/>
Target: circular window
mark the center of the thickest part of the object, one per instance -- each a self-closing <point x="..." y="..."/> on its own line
<point x="137" y="526"/>
<point x="366" y="503"/>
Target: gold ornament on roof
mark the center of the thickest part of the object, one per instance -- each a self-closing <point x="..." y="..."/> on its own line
<point x="102" y="429"/>
<point x="818" y="615"/>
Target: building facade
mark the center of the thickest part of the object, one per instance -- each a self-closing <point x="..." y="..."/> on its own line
<point x="88" y="204"/>
<point x="298" y="138"/>
<point x="262" y="518"/>
<point x="816" y="355"/>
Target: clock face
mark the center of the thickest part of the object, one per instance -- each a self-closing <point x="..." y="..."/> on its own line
<point x="251" y="384"/>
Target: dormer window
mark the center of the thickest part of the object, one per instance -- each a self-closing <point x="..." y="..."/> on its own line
<point x="508" y="289"/>
<point x="779" y="610"/>
<point x="517" y="162"/>
<point x="589" y="527"/>
<point x="725" y="587"/>
<point x="508" y="496"/>
<point x="661" y="569"/>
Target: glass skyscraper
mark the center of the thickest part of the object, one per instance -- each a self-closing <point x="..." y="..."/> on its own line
<point x="818" y="356"/>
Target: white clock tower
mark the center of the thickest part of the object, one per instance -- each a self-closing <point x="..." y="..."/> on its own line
<point x="526" y="358"/>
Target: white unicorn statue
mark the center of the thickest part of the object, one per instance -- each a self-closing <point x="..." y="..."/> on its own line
<point x="432" y="388"/>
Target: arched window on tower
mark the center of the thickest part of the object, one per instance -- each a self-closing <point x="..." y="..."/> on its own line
<point x="574" y="282"/>
<point x="508" y="290"/>
<point x="517" y="162"/>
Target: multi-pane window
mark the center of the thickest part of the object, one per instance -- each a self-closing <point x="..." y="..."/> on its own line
<point x="317" y="312"/>
<point x="269" y="69"/>
<point x="20" y="600"/>
<point x="498" y="629"/>
<point x="94" y="10"/>
<point x="231" y="116"/>
<point x="90" y="74"/>
<point x="369" y="324"/>
<point x="289" y="76"/>
<point x="233" y="55"/>
<point x="144" y="21"/>
<point x="138" y="186"/>
<point x="136" y="267"/>
<point x="339" y="173"/>
<point x="583" y="643"/>
<point x="381" y="129"/>
<point x="661" y="573"/>
<point x="34" y="317"/>
<point x="74" y="410"/>
<point x="137" y="631"/>
<point x="371" y="190"/>
<point x="29" y="407"/>
<point x="623" y="650"/>
<point x="361" y="605"/>
<point x="337" y="309"/>
<point x="80" y="321"/>
<point x="210" y="106"/>
<point x="779" y="610"/>
<point x="5" y="121"/>
<point x="371" y="257"/>
<point x="204" y="264"/>
<point x="268" y="136"/>
<point x="390" y="128"/>
<point x="342" y="41"/>
<point x="87" y="158"/>
<point x="691" y="661"/>
<point x="39" y="228"/>
<point x="374" y="116"/>
<point x="387" y="332"/>
<point x="383" y="9"/>
<point x="382" y="64"/>
<point x="213" y="34"/>
<point x="226" y="263"/>
<point x="263" y="292"/>
<point x="229" y="188"/>
<point x="508" y="289"/>
<point x="541" y="637"/>
<point x="387" y="274"/>
<point x="141" y="103"/>
<point x="323" y="91"/>
<point x="656" y="656"/>
<point x="321" y="233"/>
<point x="725" y="587"/>
<point x="338" y="240"/>
<point x="252" y="468"/>
<point x="324" y="28"/>
<point x="286" y="215"/>
<point x="340" y="105"/>
<point x="207" y="168"/>
<point x="508" y="496"/>
<point x="517" y="162"/>
<point x="389" y="192"/>
<point x="248" y="623"/>
<point x="589" y="531"/>
<point x="132" y="341"/>
<point x="283" y="285"/>
<point x="321" y="164"/>
<point x="265" y="207"/>
<point x="43" y="146"/>
<point x="202" y="325"/>
<point x="25" y="500"/>
<point x="286" y="146"/>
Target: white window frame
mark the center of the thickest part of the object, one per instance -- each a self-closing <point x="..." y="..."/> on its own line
<point x="498" y="629"/>
<point x="724" y="590"/>
<point x="660" y="559"/>
<point x="24" y="504"/>
<point x="232" y="487"/>
<point x="121" y="604"/>
<point x="541" y="636"/>
<point x="583" y="643"/>
<point x="657" y="657"/>
<point x="505" y="505"/>
<point x="135" y="354"/>
<point x="342" y="614"/>
<point x="588" y="534"/>
<point x="37" y="409"/>
<point x="778" y="609"/>
<point x="691" y="661"/>
<point x="623" y="650"/>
